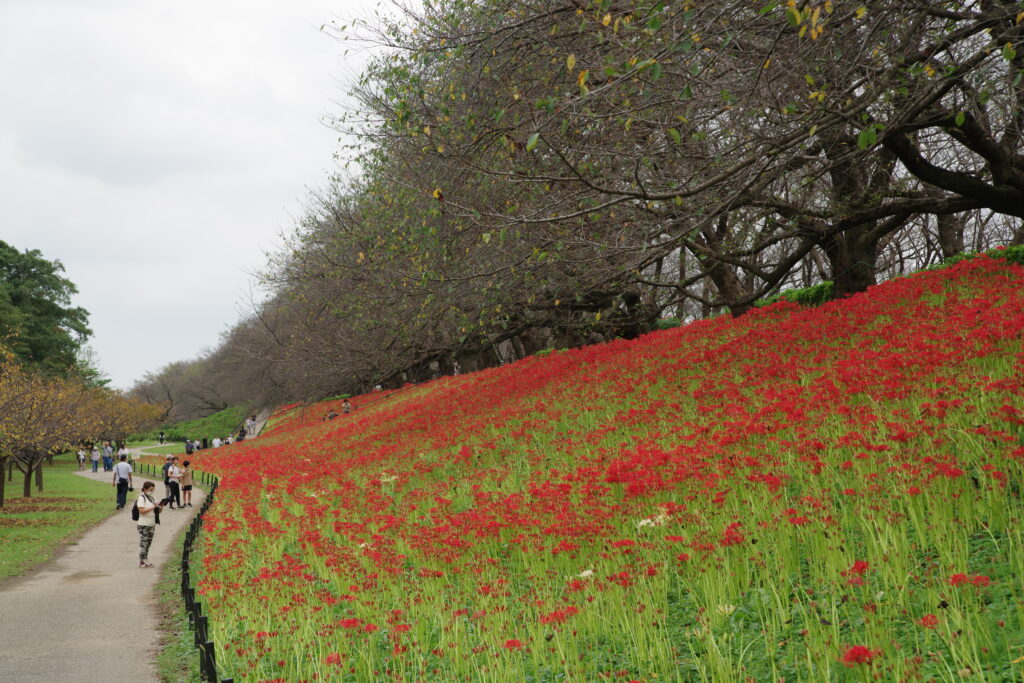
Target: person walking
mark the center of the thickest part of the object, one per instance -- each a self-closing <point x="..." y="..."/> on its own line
<point x="123" y="450"/>
<point x="149" y="517"/>
<point x="123" y="481"/>
<point x="81" y="459"/>
<point x="174" y="479"/>
<point x="186" y="483"/>
<point x="95" y="457"/>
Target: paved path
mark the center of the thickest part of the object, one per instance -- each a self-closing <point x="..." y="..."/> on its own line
<point x="89" y="615"/>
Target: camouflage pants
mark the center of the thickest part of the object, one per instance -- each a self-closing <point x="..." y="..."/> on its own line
<point x="145" y="539"/>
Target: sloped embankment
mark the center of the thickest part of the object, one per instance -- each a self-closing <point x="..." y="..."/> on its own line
<point x="800" y="493"/>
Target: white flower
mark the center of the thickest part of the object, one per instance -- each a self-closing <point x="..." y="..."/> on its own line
<point x="586" y="574"/>
<point x="726" y="610"/>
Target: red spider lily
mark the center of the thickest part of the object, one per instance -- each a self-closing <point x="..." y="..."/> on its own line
<point x="619" y="475"/>
<point x="859" y="654"/>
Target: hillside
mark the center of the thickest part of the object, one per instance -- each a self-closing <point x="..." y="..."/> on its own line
<point x="798" y="493"/>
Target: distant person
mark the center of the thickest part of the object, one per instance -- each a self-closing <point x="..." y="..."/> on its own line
<point x="81" y="459"/>
<point x="346" y="407"/>
<point x="174" y="483"/>
<point x="161" y="437"/>
<point x="167" y="480"/>
<point x="186" y="483"/>
<point x="95" y="457"/>
<point x="123" y="451"/>
<point x="189" y="447"/>
<point x="108" y="457"/>
<point x="241" y="434"/>
<point x="123" y="481"/>
<point x="149" y="517"/>
<point x="250" y="426"/>
<point x="216" y="442"/>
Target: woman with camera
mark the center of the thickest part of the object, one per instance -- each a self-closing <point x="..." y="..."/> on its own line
<point x="149" y="517"/>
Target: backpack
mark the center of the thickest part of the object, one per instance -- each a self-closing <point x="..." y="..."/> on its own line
<point x="135" y="511"/>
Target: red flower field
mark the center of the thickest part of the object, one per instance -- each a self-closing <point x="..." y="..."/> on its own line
<point x="798" y="494"/>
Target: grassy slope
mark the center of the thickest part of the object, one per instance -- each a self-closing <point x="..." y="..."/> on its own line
<point x="220" y="424"/>
<point x="33" y="529"/>
<point x="763" y="497"/>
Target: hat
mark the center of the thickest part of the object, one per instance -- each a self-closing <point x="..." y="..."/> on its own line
<point x="169" y="457"/>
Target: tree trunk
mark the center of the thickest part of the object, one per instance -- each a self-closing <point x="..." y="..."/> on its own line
<point x="3" y="481"/>
<point x="39" y="477"/>
<point x="729" y="287"/>
<point x="951" y="234"/>
<point x="26" y="488"/>
<point x="852" y="255"/>
<point x="1018" y="236"/>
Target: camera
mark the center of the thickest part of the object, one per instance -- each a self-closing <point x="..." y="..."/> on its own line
<point x="164" y="502"/>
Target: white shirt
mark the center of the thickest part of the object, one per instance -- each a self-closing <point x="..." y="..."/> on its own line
<point x="145" y="518"/>
<point x="122" y="470"/>
<point x="216" y="443"/>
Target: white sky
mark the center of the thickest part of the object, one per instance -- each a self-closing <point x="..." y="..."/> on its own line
<point x="159" y="149"/>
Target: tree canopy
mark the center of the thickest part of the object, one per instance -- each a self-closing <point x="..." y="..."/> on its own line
<point x="38" y="323"/>
<point x="545" y="173"/>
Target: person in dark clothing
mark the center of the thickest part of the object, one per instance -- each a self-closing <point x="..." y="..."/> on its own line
<point x="122" y="480"/>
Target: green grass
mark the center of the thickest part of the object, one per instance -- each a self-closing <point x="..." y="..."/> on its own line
<point x="33" y="529"/>
<point x="166" y="449"/>
<point x="219" y="424"/>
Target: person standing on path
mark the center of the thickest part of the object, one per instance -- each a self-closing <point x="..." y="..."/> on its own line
<point x="167" y="482"/>
<point x="123" y="481"/>
<point x="186" y="483"/>
<point x="81" y="459"/>
<point x="149" y="516"/>
<point x="174" y="479"/>
<point x="95" y="457"/>
<point x="108" y="457"/>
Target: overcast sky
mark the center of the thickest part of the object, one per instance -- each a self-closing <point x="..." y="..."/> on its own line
<point x="159" y="149"/>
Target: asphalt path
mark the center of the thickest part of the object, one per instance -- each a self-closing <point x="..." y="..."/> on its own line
<point x="90" y="614"/>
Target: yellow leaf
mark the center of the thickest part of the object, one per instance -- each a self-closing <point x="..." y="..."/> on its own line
<point x="861" y="11"/>
<point x="426" y="130"/>
<point x="570" y="62"/>
<point x="607" y="20"/>
<point x="582" y="77"/>
<point x="437" y="193"/>
<point x="362" y="257"/>
<point x="767" y="63"/>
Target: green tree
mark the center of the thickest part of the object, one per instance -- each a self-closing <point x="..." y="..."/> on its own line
<point x="37" y="320"/>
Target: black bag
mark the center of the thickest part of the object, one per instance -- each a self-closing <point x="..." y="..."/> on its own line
<point x="135" y="511"/>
